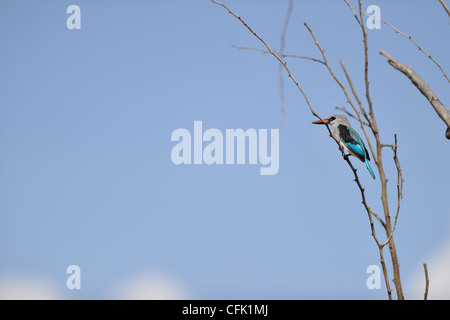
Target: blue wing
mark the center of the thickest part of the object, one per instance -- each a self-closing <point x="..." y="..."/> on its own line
<point x="351" y="139"/>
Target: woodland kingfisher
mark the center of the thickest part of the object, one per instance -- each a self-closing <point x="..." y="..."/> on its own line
<point x="348" y="138"/>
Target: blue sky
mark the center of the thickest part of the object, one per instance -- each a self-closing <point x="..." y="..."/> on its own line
<point x="86" y="118"/>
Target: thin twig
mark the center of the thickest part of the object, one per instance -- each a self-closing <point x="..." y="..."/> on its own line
<point x="414" y="42"/>
<point x="400" y="181"/>
<point x="366" y="63"/>
<point x="283" y="55"/>
<point x="353" y="10"/>
<point x="427" y="281"/>
<point x="445" y="7"/>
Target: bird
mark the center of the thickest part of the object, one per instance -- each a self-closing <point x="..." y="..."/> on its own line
<point x="348" y="138"/>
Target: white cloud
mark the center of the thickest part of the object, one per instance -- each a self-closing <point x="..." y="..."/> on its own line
<point x="13" y="287"/>
<point x="151" y="286"/>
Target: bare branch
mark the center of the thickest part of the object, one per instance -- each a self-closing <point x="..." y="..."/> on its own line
<point x="400" y="181"/>
<point x="353" y="10"/>
<point x="325" y="62"/>
<point x="366" y="67"/>
<point x="378" y="218"/>
<point x="445" y="7"/>
<point x="421" y="86"/>
<point x="415" y="43"/>
<point x="283" y="55"/>
<point x="427" y="281"/>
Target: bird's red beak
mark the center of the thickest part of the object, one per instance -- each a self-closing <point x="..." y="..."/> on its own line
<point x="321" y="122"/>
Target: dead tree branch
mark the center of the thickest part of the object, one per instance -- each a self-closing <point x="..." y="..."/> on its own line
<point x="422" y="87"/>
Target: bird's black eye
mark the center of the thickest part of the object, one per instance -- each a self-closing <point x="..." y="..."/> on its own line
<point x="331" y="119"/>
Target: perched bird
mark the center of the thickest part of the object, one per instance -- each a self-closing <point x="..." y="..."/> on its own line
<point x="348" y="138"/>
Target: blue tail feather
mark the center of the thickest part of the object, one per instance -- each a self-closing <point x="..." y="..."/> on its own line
<point x="369" y="168"/>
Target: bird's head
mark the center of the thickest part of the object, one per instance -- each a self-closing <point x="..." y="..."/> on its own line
<point x="335" y="119"/>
